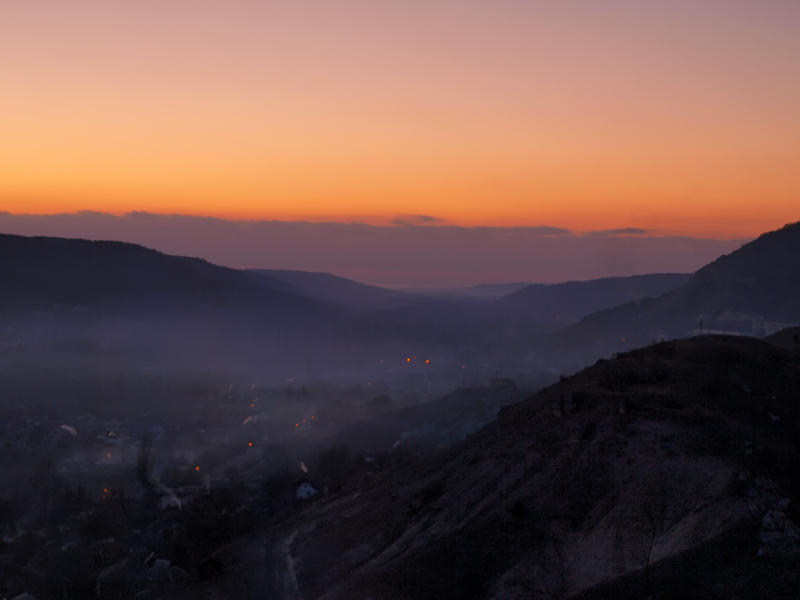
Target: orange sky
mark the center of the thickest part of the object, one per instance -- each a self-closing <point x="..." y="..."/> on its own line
<point x="668" y="116"/>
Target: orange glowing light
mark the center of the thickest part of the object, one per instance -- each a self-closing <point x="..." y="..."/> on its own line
<point x="427" y="361"/>
<point x="408" y="360"/>
<point x="297" y="424"/>
<point x="312" y="416"/>
<point x="197" y="468"/>
<point x="250" y="444"/>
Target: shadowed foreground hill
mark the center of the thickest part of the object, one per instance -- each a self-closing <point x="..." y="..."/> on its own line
<point x="667" y="472"/>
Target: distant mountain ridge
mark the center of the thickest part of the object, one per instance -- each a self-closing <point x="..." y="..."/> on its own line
<point x="755" y="290"/>
<point x="41" y="272"/>
<point x="560" y="304"/>
<point x="329" y="288"/>
<point x="483" y="292"/>
<point x="761" y="279"/>
<point x="100" y="298"/>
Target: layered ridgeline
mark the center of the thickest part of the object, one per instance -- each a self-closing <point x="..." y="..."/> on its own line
<point x="507" y="325"/>
<point x="752" y="291"/>
<point x="319" y="324"/>
<point x="46" y="272"/>
<point x="331" y="288"/>
<point x="549" y="307"/>
<point x="127" y="297"/>
<point x="68" y="302"/>
<point x="666" y="472"/>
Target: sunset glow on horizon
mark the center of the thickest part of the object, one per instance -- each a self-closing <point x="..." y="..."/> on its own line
<point x="679" y="117"/>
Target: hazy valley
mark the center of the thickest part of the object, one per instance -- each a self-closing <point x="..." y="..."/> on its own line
<point x="175" y="429"/>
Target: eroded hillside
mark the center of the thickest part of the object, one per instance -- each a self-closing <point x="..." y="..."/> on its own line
<point x="611" y="478"/>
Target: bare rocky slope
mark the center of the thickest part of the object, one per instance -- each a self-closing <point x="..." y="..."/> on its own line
<point x="670" y="471"/>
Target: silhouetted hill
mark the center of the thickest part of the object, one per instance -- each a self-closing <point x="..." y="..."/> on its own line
<point x="493" y="291"/>
<point x="484" y="292"/>
<point x="753" y="291"/>
<point x="760" y="281"/>
<point x="508" y="324"/>
<point x="42" y="272"/>
<point x="788" y="339"/>
<point x="76" y="302"/>
<point x="667" y="472"/>
<point x="558" y="305"/>
<point x="329" y="288"/>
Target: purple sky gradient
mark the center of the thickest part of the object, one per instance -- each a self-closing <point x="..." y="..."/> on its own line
<point x="393" y="256"/>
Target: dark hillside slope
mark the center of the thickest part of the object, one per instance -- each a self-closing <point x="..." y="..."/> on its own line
<point x="72" y="303"/>
<point x="438" y="423"/>
<point x="758" y="282"/>
<point x="788" y="339"/>
<point x="751" y="291"/>
<point x="40" y="272"/>
<point x="561" y="304"/>
<point x="508" y="324"/>
<point x="670" y="471"/>
<point x="330" y="288"/>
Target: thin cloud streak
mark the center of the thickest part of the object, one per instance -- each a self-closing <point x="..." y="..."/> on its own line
<point x="622" y="231"/>
<point x="405" y="220"/>
<point x="400" y="256"/>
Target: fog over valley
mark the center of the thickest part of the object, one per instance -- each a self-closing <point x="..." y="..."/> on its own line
<point x="171" y="428"/>
<point x="399" y="301"/>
